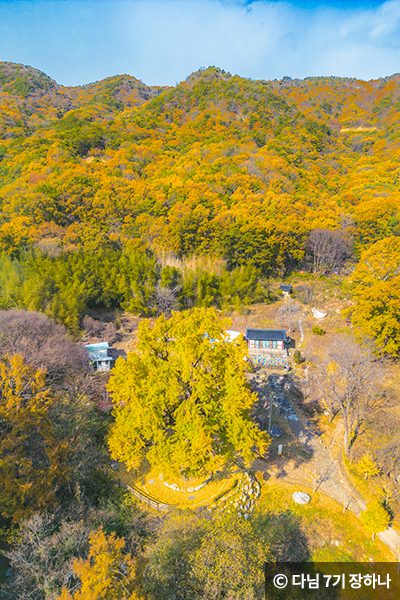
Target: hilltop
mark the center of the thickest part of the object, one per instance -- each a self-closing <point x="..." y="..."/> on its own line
<point x="177" y="166"/>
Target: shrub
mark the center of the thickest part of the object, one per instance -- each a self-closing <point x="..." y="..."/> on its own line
<point x="317" y="330"/>
<point x="367" y="466"/>
<point x="250" y="366"/>
<point x="298" y="359"/>
<point x="376" y="518"/>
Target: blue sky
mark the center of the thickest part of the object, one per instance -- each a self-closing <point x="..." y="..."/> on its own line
<point x="162" y="41"/>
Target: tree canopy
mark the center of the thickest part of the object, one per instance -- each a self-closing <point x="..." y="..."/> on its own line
<point x="376" y="311"/>
<point x="197" y="558"/>
<point x="182" y="400"/>
<point x="44" y="344"/>
<point x="376" y="517"/>
<point x="31" y="459"/>
<point x="259" y="175"/>
<point x="108" y="573"/>
<point x="379" y="263"/>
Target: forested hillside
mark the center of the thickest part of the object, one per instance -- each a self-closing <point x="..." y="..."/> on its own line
<point x="219" y="166"/>
<point x="118" y="198"/>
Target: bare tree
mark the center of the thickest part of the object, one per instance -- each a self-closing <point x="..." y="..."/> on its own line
<point x="44" y="344"/>
<point x="319" y="472"/>
<point x="384" y="425"/>
<point x="346" y="499"/>
<point x="42" y="559"/>
<point x="345" y="382"/>
<point x="329" y="250"/>
<point x="289" y="314"/>
<point x="304" y="293"/>
<point x="47" y="346"/>
<point x="100" y="329"/>
<point x="166" y="300"/>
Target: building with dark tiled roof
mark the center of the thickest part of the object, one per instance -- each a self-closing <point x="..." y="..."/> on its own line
<point x="286" y="289"/>
<point x="268" y="346"/>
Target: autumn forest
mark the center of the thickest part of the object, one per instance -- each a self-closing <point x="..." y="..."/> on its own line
<point x="222" y="168"/>
<point x="149" y="201"/>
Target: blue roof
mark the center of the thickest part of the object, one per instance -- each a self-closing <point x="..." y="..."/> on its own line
<point x="96" y="347"/>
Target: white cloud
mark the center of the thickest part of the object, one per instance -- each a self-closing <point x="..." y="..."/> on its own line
<point x="387" y="22"/>
<point x="264" y="39"/>
<point x="163" y="41"/>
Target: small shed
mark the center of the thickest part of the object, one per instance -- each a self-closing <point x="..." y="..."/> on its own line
<point x="98" y="356"/>
<point x="286" y="289"/>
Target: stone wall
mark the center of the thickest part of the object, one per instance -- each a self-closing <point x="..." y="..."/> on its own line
<point x="271" y="360"/>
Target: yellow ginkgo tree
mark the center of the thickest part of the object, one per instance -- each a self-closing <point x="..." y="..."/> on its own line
<point x="182" y="400"/>
<point x="376" y="310"/>
<point x="32" y="461"/>
<point x="367" y="466"/>
<point x="107" y="574"/>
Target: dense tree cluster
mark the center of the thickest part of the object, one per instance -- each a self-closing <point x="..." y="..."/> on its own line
<point x="64" y="287"/>
<point x="44" y="344"/>
<point x="47" y="403"/>
<point x="204" y="558"/>
<point x="182" y="402"/>
<point x="376" y="280"/>
<point x="101" y="181"/>
<point x="31" y="463"/>
<point x="155" y="201"/>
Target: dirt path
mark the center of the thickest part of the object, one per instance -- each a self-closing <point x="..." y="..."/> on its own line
<point x="325" y="471"/>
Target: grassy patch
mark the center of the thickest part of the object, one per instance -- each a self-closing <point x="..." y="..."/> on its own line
<point x="152" y="485"/>
<point x="368" y="488"/>
<point x="331" y="535"/>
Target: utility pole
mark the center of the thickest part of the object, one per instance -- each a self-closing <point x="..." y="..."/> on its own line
<point x="270" y="403"/>
<point x="270" y="414"/>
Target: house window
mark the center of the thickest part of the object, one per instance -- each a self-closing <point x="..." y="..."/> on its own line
<point x="257" y="344"/>
<point x="265" y="344"/>
<point x="251" y="343"/>
<point x="274" y="344"/>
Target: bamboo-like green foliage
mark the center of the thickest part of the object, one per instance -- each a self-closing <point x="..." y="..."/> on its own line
<point x="65" y="286"/>
<point x="182" y="400"/>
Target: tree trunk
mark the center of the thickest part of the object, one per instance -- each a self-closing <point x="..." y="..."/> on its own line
<point x="345" y="413"/>
<point x="346" y="436"/>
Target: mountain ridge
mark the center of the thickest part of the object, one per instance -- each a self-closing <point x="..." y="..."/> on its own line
<point x="182" y="167"/>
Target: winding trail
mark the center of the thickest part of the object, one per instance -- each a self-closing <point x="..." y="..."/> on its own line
<point x="130" y="342"/>
<point x="325" y="472"/>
